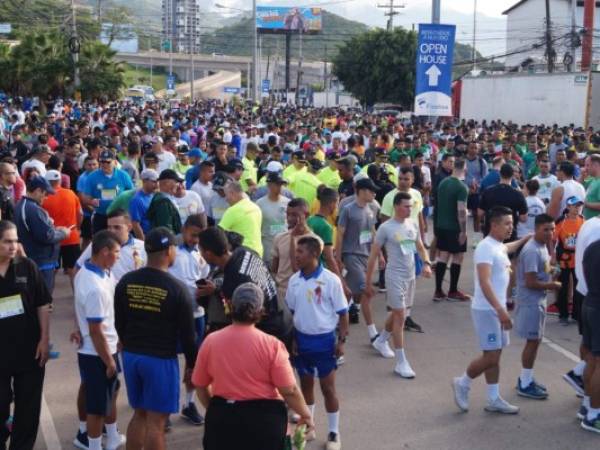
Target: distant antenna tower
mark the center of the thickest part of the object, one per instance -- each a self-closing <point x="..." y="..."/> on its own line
<point x="391" y="13"/>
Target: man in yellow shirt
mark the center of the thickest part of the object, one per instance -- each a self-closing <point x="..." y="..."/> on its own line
<point x="330" y="176"/>
<point x="249" y="177"/>
<point x="298" y="165"/>
<point x="243" y="217"/>
<point x="304" y="184"/>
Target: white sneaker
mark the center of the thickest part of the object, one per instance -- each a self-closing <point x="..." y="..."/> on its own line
<point x="501" y="406"/>
<point x="114" y="444"/>
<point x="404" y="370"/>
<point x="383" y="347"/>
<point x="333" y="442"/>
<point x="461" y="395"/>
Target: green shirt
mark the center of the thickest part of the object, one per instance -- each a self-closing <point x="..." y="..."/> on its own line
<point x="592" y="196"/>
<point x="521" y="149"/>
<point x="319" y="225"/>
<point x="450" y="191"/>
<point x="245" y="218"/>
<point x="121" y="201"/>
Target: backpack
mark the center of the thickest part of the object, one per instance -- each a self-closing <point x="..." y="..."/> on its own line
<point x="162" y="212"/>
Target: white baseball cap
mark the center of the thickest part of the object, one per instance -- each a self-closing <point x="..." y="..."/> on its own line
<point x="274" y="166"/>
<point x="52" y="175"/>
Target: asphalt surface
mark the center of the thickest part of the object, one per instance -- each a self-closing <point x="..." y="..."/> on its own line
<point x="379" y="410"/>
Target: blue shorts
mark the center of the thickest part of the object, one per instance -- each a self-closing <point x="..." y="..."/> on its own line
<point x="316" y="355"/>
<point x="152" y="383"/>
<point x="99" y="390"/>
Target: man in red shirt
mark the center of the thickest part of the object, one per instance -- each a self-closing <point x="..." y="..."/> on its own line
<point x="65" y="209"/>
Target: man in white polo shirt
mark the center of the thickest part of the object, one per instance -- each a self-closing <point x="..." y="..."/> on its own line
<point x="316" y="299"/>
<point x="190" y="268"/>
<point x="97" y="355"/>
<point x="488" y="311"/>
<point x="133" y="255"/>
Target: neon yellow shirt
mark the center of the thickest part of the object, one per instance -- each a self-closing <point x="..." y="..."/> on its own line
<point x="390" y="169"/>
<point x="290" y="171"/>
<point x="304" y="185"/>
<point x="387" y="206"/>
<point x="330" y="177"/>
<point x="250" y="173"/>
<point x="245" y="218"/>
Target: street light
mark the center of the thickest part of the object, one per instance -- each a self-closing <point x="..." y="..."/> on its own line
<point x="254" y="46"/>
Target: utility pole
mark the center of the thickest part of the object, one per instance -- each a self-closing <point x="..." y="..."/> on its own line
<point x="588" y="27"/>
<point x="254" y="53"/>
<point x="473" y="49"/>
<point x="193" y="72"/>
<point x="74" y="48"/>
<point x="435" y="11"/>
<point x="299" y="77"/>
<point x="549" y="46"/>
<point x="391" y="13"/>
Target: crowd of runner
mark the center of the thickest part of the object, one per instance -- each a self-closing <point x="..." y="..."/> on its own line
<point x="251" y="239"/>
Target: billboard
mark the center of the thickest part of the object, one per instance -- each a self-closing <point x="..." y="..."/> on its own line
<point x="284" y="19"/>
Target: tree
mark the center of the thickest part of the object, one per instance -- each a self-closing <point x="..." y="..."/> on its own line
<point x="117" y="24"/>
<point x="100" y="75"/>
<point x="379" y="65"/>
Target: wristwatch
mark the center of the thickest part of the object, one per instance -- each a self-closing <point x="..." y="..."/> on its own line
<point x="342" y="339"/>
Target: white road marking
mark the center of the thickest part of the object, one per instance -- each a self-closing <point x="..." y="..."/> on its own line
<point x="563" y="351"/>
<point x="48" y="428"/>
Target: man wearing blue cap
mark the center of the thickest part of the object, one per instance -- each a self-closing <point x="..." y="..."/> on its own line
<point x="37" y="233"/>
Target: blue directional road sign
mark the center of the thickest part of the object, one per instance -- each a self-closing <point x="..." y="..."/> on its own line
<point x="433" y="96"/>
<point x="266" y="86"/>
<point x="232" y="90"/>
<point x="171" y="83"/>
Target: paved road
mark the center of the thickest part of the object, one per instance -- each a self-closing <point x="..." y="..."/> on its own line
<point x="379" y="410"/>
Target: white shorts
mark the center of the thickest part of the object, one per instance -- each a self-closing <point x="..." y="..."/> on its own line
<point x="400" y="293"/>
<point x="530" y="321"/>
<point x="489" y="330"/>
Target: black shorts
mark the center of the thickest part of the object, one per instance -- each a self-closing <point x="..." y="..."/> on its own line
<point x="86" y="227"/>
<point x="99" y="222"/>
<point x="69" y="254"/>
<point x="590" y="325"/>
<point x="472" y="202"/>
<point x="447" y="241"/>
<point x="99" y="390"/>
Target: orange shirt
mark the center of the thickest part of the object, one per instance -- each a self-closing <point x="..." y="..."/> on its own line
<point x="566" y="234"/>
<point x="63" y="207"/>
<point x="241" y="362"/>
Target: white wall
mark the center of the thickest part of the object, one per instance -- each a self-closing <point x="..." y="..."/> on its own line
<point x="526" y="25"/>
<point x="594" y="113"/>
<point x="524" y="98"/>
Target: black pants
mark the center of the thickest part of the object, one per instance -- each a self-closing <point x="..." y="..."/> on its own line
<point x="562" y="302"/>
<point x="247" y="425"/>
<point x="25" y="388"/>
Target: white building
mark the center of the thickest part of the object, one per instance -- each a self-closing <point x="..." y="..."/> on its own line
<point x="181" y="25"/>
<point x="526" y="27"/>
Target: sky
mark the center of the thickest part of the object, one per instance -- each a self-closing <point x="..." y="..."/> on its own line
<point x="491" y="24"/>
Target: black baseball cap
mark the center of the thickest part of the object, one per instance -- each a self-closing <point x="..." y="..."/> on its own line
<point x="159" y="239"/>
<point x="366" y="183"/>
<point x="275" y="177"/>
<point x="235" y="164"/>
<point x="299" y="155"/>
<point x="316" y="164"/>
<point x="170" y="174"/>
<point x="106" y="155"/>
<point x="41" y="183"/>
<point x="220" y="180"/>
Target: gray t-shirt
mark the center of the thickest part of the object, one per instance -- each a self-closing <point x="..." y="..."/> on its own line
<point x="216" y="207"/>
<point x="399" y="240"/>
<point x="534" y="257"/>
<point x="358" y="224"/>
<point x="374" y="205"/>
<point x="273" y="222"/>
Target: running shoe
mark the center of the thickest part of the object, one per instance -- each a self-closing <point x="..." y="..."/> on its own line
<point x="458" y="296"/>
<point x="501" y="406"/>
<point x="575" y="381"/>
<point x="411" y="325"/>
<point x="116" y="443"/>
<point x="354" y="315"/>
<point x="582" y="413"/>
<point x="439" y="296"/>
<point x="310" y="435"/>
<point x="382" y="289"/>
<point x="81" y="440"/>
<point x="404" y="370"/>
<point x="191" y="414"/>
<point x="461" y="395"/>
<point x="341" y="361"/>
<point x="591" y="425"/>
<point x="552" y="310"/>
<point x="333" y="441"/>
<point x="383" y="347"/>
<point x="532" y="391"/>
<point x="540" y="385"/>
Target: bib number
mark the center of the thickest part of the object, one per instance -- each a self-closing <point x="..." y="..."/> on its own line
<point x="11" y="306"/>
<point x="365" y="237"/>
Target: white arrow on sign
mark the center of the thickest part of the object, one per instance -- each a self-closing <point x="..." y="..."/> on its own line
<point x="433" y="73"/>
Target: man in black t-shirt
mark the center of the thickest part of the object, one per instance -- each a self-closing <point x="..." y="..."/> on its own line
<point x="153" y="312"/>
<point x="503" y="194"/>
<point x="240" y="266"/>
